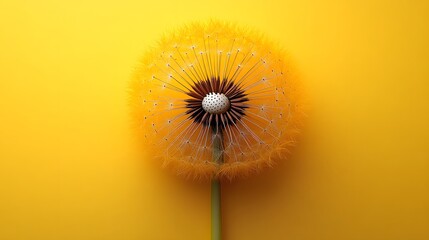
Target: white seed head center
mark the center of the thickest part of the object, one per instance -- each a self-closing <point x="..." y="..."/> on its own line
<point x="216" y="103"/>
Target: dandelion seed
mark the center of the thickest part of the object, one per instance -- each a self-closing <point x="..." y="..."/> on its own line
<point x="216" y="86"/>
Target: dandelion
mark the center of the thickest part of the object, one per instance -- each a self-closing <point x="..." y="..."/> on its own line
<point x="216" y="86"/>
<point x="215" y="101"/>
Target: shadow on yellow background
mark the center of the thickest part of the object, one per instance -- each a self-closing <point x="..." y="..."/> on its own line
<point x="70" y="168"/>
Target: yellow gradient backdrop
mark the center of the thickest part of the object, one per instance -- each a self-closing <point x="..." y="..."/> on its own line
<point x="70" y="168"/>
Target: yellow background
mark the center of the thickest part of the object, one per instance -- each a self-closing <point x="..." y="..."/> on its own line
<point x="70" y="168"/>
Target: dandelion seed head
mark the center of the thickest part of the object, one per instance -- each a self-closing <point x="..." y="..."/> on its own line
<point x="213" y="80"/>
<point x="215" y="103"/>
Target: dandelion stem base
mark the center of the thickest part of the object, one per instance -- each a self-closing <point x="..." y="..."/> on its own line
<point x="216" y="210"/>
<point x="216" y="221"/>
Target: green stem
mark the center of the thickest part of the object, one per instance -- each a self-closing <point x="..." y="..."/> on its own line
<point x="216" y="188"/>
<point x="216" y="211"/>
